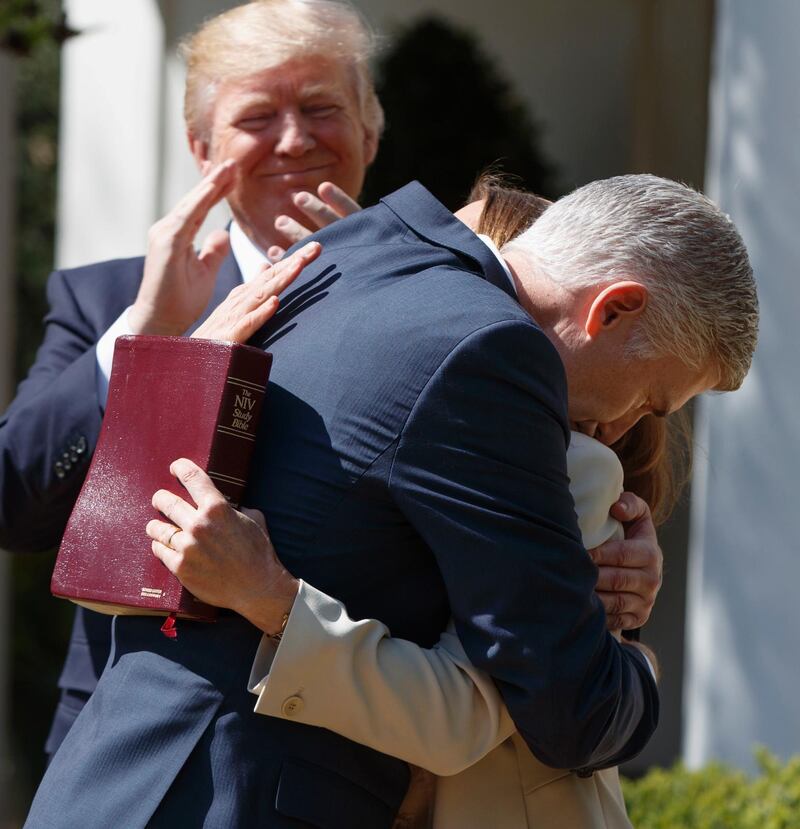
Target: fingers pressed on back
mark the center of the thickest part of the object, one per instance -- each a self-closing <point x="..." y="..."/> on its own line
<point x="338" y="199"/>
<point x="319" y="213"/>
<point x="291" y="229"/>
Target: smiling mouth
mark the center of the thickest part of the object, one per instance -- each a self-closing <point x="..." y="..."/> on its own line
<point x="289" y="173"/>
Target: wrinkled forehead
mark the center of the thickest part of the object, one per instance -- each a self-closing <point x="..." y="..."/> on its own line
<point x="299" y="79"/>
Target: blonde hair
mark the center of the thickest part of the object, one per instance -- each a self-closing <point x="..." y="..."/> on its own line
<point x="703" y="306"/>
<point x="267" y="33"/>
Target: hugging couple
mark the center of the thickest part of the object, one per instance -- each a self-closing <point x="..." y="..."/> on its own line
<point x="450" y="416"/>
<point x="454" y="404"/>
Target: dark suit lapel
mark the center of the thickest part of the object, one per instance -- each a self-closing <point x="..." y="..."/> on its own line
<point x="429" y="218"/>
<point x="229" y="277"/>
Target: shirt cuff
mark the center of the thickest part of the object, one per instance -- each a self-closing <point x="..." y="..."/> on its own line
<point x="105" y="354"/>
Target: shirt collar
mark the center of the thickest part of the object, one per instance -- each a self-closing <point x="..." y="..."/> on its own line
<point x="249" y="257"/>
<point x="493" y="248"/>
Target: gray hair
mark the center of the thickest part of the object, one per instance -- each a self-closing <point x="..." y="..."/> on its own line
<point x="702" y="305"/>
<point x="266" y="33"/>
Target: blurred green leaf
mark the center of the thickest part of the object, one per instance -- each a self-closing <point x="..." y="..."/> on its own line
<point x="717" y="796"/>
<point x="26" y="24"/>
<point x="40" y="624"/>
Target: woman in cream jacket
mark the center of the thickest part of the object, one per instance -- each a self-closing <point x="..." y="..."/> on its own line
<point x="433" y="708"/>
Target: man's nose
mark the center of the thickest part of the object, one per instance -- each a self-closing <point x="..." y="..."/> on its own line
<point x="610" y="433"/>
<point x="295" y="139"/>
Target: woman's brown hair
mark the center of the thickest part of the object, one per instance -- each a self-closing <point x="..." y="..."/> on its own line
<point x="655" y="453"/>
<point x="656" y="458"/>
<point x="507" y="210"/>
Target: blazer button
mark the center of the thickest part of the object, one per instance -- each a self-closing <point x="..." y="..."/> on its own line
<point x="584" y="772"/>
<point x="59" y="469"/>
<point x="292" y="706"/>
<point x="80" y="445"/>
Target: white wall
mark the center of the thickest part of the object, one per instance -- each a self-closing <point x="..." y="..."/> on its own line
<point x="110" y="142"/>
<point x="743" y="672"/>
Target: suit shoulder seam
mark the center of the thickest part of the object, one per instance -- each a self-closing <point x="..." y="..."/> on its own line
<point x="456" y="346"/>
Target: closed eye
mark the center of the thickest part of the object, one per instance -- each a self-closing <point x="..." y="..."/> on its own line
<point x="321" y="110"/>
<point x="255" y="122"/>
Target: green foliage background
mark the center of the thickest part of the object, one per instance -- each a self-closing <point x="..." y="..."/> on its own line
<point x="717" y="797"/>
<point x="40" y="625"/>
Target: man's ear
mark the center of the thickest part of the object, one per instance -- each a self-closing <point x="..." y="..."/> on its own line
<point x="200" y="149"/>
<point x="616" y="305"/>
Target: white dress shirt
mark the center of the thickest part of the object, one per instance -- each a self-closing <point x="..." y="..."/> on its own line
<point x="249" y="259"/>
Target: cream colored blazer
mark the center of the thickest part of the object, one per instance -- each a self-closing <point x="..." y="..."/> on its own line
<point x="432" y="707"/>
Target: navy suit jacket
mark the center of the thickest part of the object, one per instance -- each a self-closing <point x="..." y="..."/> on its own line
<point x="48" y="434"/>
<point x="412" y="463"/>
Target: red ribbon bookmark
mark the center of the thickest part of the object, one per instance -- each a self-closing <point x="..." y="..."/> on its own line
<point x="168" y="628"/>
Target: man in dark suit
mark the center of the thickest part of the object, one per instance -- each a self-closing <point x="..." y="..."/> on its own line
<point x="412" y="463"/>
<point x="289" y="117"/>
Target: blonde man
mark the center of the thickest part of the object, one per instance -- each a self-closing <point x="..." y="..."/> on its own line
<point x="278" y="100"/>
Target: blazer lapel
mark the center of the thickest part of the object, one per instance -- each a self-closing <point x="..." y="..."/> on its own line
<point x="228" y="277"/>
<point x="429" y="218"/>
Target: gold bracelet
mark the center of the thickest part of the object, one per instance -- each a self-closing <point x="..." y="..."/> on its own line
<point x="276" y="637"/>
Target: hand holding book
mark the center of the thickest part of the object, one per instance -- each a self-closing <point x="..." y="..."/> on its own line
<point x="171" y="396"/>
<point x="222" y="555"/>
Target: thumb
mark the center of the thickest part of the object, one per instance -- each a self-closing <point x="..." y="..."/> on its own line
<point x="215" y="249"/>
<point x="629" y="507"/>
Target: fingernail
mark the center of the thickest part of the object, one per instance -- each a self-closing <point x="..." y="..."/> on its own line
<point x="282" y="221"/>
<point x="623" y="506"/>
<point x="228" y="163"/>
<point x="302" y="199"/>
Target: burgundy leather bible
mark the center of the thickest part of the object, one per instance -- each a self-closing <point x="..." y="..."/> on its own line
<point x="168" y="398"/>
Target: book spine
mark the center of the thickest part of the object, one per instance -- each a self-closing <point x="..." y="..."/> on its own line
<point x="239" y="412"/>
